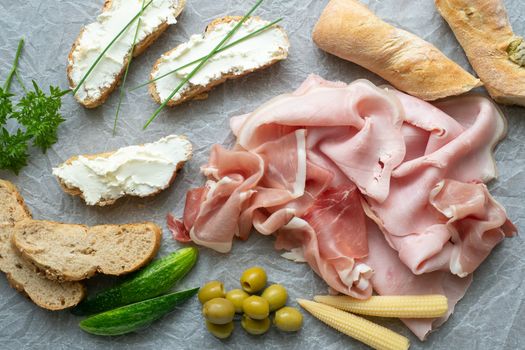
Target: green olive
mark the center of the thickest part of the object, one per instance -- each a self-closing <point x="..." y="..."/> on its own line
<point x="221" y="331"/>
<point x="253" y="279"/>
<point x="218" y="311"/>
<point x="288" y="319"/>
<point x="213" y="289"/>
<point x="256" y="307"/>
<point x="255" y="327"/>
<point x="276" y="295"/>
<point x="237" y="296"/>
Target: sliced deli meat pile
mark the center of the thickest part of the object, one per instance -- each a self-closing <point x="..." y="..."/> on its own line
<point x="373" y="188"/>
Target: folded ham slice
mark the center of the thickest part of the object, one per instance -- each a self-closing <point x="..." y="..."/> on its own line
<point x="392" y="277"/>
<point x="447" y="157"/>
<point x="309" y="166"/>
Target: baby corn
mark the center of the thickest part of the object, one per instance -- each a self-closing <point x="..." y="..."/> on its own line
<point x="403" y="306"/>
<point x="371" y="334"/>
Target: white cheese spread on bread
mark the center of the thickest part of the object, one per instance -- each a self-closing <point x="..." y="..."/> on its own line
<point x="256" y="52"/>
<point x="135" y="170"/>
<point x="95" y="37"/>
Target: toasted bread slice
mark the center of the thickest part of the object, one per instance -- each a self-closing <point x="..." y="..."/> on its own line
<point x="95" y="177"/>
<point x="482" y="28"/>
<point x="88" y="45"/>
<point x="68" y="252"/>
<point x="349" y="30"/>
<point x="21" y="274"/>
<point x="253" y="54"/>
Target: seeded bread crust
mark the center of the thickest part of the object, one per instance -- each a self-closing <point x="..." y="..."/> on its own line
<point x="198" y="92"/>
<point x="66" y="252"/>
<point x="22" y="275"/>
<point x="140" y="47"/>
<point x="75" y="191"/>
<point x="483" y="29"/>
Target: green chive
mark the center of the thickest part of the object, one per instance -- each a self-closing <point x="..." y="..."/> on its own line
<point x="130" y="57"/>
<point x="202" y="63"/>
<point x="244" y="38"/>
<point x="108" y="47"/>
<point x="14" y="69"/>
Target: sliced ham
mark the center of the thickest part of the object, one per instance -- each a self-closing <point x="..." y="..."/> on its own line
<point x="310" y="166"/>
<point x="392" y="277"/>
<point x="366" y="144"/>
<point x="443" y="150"/>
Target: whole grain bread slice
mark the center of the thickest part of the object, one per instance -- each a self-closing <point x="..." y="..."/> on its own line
<point x="199" y="92"/>
<point x="21" y="274"/>
<point x="140" y="47"/>
<point x="67" y="252"/>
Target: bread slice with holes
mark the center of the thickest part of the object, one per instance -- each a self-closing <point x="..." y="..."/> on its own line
<point x="67" y="252"/>
<point x="253" y="54"/>
<point x="95" y="37"/>
<point x="21" y="274"/>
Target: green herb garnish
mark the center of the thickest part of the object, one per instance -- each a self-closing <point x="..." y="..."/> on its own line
<point x="130" y="57"/>
<point x="139" y="14"/>
<point x="244" y="38"/>
<point x="202" y="63"/>
<point x="37" y="115"/>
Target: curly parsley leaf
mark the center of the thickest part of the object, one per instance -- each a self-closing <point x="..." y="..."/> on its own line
<point x="39" y="113"/>
<point x="38" y="116"/>
<point x="13" y="150"/>
<point x="6" y="107"/>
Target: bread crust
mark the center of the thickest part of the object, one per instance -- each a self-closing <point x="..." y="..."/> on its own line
<point x="349" y="30"/>
<point x="50" y="268"/>
<point x="482" y="28"/>
<point x="198" y="92"/>
<point x="75" y="191"/>
<point x="140" y="47"/>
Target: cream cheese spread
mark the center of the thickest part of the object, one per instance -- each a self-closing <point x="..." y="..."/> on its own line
<point x="248" y="55"/>
<point x="96" y="36"/>
<point x="135" y="170"/>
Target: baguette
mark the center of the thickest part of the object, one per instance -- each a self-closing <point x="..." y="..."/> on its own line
<point x="66" y="252"/>
<point x="101" y="179"/>
<point x="94" y="37"/>
<point x="349" y="30"/>
<point x="253" y="54"/>
<point x="22" y="275"/>
<point x="497" y="55"/>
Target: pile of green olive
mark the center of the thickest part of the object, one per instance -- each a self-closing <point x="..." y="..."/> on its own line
<point x="219" y="307"/>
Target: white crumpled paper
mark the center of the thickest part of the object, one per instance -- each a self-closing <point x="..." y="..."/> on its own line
<point x="492" y="314"/>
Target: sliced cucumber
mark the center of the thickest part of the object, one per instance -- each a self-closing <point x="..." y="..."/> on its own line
<point x="135" y="316"/>
<point x="153" y="280"/>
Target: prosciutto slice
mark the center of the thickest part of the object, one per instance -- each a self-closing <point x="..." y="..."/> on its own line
<point x="309" y="167"/>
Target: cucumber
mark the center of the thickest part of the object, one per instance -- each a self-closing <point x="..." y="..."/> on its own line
<point x="153" y="280"/>
<point x="135" y="316"/>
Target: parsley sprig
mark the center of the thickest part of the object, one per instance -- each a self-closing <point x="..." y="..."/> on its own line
<point x="37" y="115"/>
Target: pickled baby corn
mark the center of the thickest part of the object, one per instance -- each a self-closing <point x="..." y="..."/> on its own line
<point x="371" y="334"/>
<point x="402" y="306"/>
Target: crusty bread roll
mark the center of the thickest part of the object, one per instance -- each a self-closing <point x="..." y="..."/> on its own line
<point x="348" y="29"/>
<point x="496" y="53"/>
